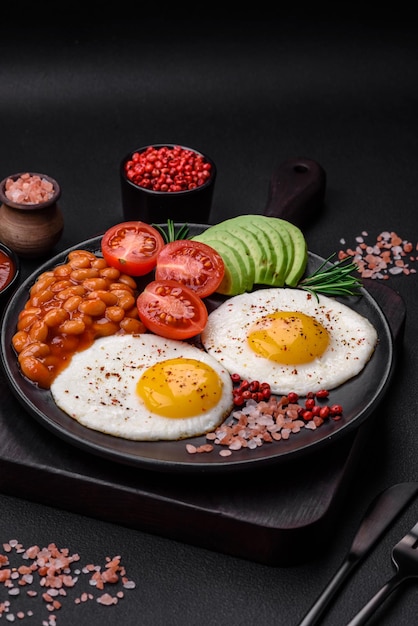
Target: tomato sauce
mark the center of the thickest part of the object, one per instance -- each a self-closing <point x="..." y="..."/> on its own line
<point x="7" y="269"/>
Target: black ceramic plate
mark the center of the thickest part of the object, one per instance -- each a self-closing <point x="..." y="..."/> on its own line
<point x="359" y="397"/>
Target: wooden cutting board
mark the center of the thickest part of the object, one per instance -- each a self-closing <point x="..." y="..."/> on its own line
<point x="276" y="516"/>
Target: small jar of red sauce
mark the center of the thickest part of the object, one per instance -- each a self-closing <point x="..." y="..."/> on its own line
<point x="9" y="271"/>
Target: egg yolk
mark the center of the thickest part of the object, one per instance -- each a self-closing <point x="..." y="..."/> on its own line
<point x="180" y="388"/>
<point x="288" y="337"/>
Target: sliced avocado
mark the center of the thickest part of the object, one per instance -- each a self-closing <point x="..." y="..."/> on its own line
<point x="294" y="271"/>
<point x="268" y="271"/>
<point x="235" y="280"/>
<point x="281" y="243"/>
<point x="297" y="248"/>
<point x="234" y="239"/>
<point x="300" y="255"/>
<point x="281" y="227"/>
<point x="277" y="248"/>
<point x="261" y="247"/>
<point x="256" y="247"/>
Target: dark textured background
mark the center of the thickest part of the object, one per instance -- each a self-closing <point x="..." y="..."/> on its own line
<point x="251" y="93"/>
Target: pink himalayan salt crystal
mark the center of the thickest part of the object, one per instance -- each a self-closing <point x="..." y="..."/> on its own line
<point x="29" y="189"/>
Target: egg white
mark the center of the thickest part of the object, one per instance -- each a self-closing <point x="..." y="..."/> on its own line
<point x="352" y="340"/>
<point x="98" y="389"/>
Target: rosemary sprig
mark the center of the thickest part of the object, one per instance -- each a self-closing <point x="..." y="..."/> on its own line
<point x="335" y="280"/>
<point x="171" y="234"/>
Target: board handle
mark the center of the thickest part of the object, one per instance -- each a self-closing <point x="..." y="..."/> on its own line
<point x="296" y="191"/>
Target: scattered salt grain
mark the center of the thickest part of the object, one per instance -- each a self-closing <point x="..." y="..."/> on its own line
<point x="55" y="576"/>
<point x="106" y="599"/>
<point x="389" y="255"/>
<point x="14" y="591"/>
<point x="258" y="423"/>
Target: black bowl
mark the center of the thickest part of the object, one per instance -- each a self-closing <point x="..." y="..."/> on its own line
<point x="139" y="203"/>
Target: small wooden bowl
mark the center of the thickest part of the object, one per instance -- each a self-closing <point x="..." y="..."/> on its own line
<point x="30" y="230"/>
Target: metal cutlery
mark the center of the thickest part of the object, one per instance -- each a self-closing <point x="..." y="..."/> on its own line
<point x="405" y="559"/>
<point x="381" y="513"/>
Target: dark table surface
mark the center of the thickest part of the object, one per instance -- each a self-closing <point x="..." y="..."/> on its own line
<point x="251" y="94"/>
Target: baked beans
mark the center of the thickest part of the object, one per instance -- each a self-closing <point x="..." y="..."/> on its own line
<point x="68" y="308"/>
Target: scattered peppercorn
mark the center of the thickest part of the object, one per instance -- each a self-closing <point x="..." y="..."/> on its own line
<point x="245" y="390"/>
<point x="261" y="417"/>
<point x="322" y="394"/>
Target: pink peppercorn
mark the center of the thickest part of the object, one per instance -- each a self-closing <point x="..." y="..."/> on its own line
<point x="322" y="394"/>
<point x="168" y="169"/>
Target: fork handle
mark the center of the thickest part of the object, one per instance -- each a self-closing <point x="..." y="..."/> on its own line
<point x="374" y="602"/>
<point x="318" y="608"/>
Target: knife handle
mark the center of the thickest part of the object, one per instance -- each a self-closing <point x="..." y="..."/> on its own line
<point x="296" y="191"/>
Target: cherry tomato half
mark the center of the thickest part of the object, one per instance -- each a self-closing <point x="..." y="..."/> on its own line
<point x="170" y="309"/>
<point x="132" y="247"/>
<point x="192" y="263"/>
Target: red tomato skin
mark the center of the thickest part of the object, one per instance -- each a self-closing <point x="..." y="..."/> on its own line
<point x="121" y="247"/>
<point x="192" y="263"/>
<point x="161" y="304"/>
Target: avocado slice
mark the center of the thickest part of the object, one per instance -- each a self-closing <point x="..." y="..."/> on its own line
<point x="266" y="247"/>
<point x="281" y="243"/>
<point x="233" y="238"/>
<point x="235" y="280"/>
<point x="281" y="227"/>
<point x="300" y="255"/>
<point x="297" y="248"/>
<point x="261" y="246"/>
<point x="296" y="269"/>
<point x="277" y="248"/>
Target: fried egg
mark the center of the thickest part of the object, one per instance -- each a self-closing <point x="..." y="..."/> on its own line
<point x="145" y="388"/>
<point x="291" y="340"/>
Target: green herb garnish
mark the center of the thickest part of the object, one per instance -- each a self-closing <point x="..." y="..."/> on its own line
<point x="335" y="280"/>
<point x="170" y="234"/>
